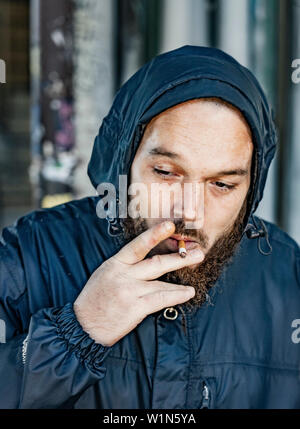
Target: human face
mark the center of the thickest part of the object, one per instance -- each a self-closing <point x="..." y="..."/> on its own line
<point x="204" y="143"/>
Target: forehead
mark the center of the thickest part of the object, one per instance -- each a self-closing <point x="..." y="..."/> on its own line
<point x="200" y="130"/>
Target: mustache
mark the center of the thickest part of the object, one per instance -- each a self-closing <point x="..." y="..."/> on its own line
<point x="194" y="234"/>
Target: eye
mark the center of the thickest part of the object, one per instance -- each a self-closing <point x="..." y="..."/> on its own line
<point x="223" y="186"/>
<point x="163" y="172"/>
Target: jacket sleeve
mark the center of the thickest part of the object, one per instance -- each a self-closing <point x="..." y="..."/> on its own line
<point x="46" y="359"/>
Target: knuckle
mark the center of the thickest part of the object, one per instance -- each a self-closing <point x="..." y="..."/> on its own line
<point x="137" y="253"/>
<point x="156" y="260"/>
<point x="152" y="241"/>
<point x="162" y="297"/>
<point x="105" y="271"/>
<point x="147" y="304"/>
<point x="113" y="266"/>
<point x="109" y="264"/>
<point x="133" y="249"/>
<point x="146" y="299"/>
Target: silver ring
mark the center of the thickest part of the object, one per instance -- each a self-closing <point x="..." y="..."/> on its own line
<point x="172" y="310"/>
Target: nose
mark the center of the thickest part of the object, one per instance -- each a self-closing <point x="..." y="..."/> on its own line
<point x="191" y="207"/>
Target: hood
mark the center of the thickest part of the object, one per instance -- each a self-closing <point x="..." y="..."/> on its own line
<point x="171" y="78"/>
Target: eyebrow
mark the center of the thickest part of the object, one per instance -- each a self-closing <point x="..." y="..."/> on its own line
<point x="237" y="172"/>
<point x="173" y="155"/>
<point x="160" y="151"/>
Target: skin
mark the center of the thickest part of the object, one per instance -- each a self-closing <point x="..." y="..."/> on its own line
<point x="200" y="141"/>
<point x="206" y="140"/>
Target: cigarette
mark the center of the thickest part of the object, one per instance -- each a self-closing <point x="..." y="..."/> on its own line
<point x="181" y="248"/>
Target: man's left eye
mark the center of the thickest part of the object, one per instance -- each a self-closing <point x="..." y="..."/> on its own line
<point x="222" y="185"/>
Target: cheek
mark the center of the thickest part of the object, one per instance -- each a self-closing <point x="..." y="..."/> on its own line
<point x="138" y="174"/>
<point x="135" y="172"/>
<point x="220" y="213"/>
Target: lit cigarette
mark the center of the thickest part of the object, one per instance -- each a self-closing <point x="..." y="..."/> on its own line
<point x="181" y="248"/>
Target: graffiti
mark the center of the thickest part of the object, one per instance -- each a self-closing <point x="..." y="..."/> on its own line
<point x="64" y="133"/>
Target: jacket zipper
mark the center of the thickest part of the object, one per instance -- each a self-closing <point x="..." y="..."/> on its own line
<point x="205" y="396"/>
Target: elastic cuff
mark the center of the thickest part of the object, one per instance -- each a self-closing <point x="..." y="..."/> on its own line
<point x="78" y="341"/>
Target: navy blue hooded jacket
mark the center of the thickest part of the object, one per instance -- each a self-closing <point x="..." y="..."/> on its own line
<point x="241" y="348"/>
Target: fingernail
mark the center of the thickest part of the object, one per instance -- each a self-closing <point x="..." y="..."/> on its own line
<point x="190" y="290"/>
<point x="168" y="225"/>
<point x="196" y="253"/>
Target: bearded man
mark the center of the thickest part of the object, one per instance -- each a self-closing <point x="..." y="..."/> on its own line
<point x="178" y="145"/>
<point x="104" y="313"/>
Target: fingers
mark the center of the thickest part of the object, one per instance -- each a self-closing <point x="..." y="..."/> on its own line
<point x="156" y="266"/>
<point x="157" y="285"/>
<point x="138" y="248"/>
<point x="163" y="298"/>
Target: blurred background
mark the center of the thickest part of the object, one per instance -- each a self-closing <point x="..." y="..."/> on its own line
<point x="65" y="60"/>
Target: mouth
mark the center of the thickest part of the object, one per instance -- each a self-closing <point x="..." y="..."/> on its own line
<point x="172" y="242"/>
<point x="182" y="238"/>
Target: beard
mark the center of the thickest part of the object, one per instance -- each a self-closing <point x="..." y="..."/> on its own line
<point x="204" y="276"/>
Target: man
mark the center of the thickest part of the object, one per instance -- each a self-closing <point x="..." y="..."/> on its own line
<point x="104" y="313"/>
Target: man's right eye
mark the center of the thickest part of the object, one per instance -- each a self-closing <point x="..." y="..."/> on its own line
<point x="162" y="172"/>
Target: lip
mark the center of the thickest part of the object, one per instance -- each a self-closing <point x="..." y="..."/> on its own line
<point x="182" y="238"/>
<point x="172" y="243"/>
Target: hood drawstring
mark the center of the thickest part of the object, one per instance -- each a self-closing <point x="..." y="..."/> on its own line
<point x="114" y="227"/>
<point x="254" y="231"/>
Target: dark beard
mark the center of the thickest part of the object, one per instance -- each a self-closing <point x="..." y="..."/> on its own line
<point x="204" y="276"/>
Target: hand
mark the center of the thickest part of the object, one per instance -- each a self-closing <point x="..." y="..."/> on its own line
<point x="123" y="290"/>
